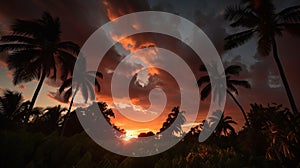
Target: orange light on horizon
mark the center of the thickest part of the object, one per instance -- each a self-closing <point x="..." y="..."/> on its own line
<point x="130" y="134"/>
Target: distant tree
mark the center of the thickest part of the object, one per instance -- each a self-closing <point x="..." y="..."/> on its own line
<point x="82" y="80"/>
<point x="73" y="126"/>
<point x="170" y="122"/>
<point x="260" y="19"/>
<point x="224" y="124"/>
<point x="150" y="133"/>
<point x="50" y="120"/>
<point x="233" y="70"/>
<point x="10" y="103"/>
<point x="35" y="51"/>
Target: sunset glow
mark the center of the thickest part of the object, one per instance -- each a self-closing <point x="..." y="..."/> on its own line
<point x="130" y="134"/>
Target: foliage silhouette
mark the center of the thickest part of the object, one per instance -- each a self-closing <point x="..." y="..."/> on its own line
<point x="170" y="122"/>
<point x="233" y="70"/>
<point x="260" y="19"/>
<point x="35" y="51"/>
<point x="224" y="123"/>
<point x="82" y="80"/>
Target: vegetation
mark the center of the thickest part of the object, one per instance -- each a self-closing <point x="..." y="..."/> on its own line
<point x="231" y="71"/>
<point x="271" y="141"/>
<point x="54" y="137"/>
<point x="83" y="81"/>
<point x="259" y="19"/>
<point x="35" y="51"/>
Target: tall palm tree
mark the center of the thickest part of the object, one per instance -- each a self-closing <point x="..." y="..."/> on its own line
<point x="176" y="127"/>
<point x="224" y="123"/>
<point x="260" y="19"/>
<point x="82" y="80"/>
<point x="233" y="70"/>
<point x="36" y="51"/>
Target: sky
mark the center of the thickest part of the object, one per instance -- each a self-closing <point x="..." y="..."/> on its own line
<point x="79" y="19"/>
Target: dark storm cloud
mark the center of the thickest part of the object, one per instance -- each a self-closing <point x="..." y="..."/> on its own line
<point x="78" y="18"/>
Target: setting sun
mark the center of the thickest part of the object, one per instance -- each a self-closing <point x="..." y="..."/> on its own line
<point x="130" y="134"/>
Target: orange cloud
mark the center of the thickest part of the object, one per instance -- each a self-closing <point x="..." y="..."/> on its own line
<point x="22" y="87"/>
<point x="9" y="75"/>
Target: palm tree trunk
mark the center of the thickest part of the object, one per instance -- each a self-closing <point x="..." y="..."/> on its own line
<point x="36" y="92"/>
<point x="68" y="113"/>
<point x="283" y="77"/>
<point x="240" y="106"/>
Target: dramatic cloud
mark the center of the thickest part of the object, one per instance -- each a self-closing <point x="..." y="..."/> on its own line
<point x="79" y="19"/>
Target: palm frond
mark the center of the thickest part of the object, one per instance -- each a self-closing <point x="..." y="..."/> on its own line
<point x="15" y="47"/>
<point x="238" y="39"/>
<point x="96" y="73"/>
<point x="81" y="64"/>
<point x="241" y="83"/>
<point x="66" y="83"/>
<point x="91" y="90"/>
<point x="22" y="74"/>
<point x="68" y="94"/>
<point x="18" y="38"/>
<point x="264" y="44"/>
<point x="69" y="46"/>
<point x="24" y="27"/>
<point x="97" y="85"/>
<point x="84" y="91"/>
<point x="94" y="82"/>
<point x="203" y="79"/>
<point x="68" y="62"/>
<point x="205" y="92"/>
<point x="21" y="58"/>
<point x="290" y="15"/>
<point x="234" y="12"/>
<point x="231" y="88"/>
<point x="231" y="122"/>
<point x="241" y="17"/>
<point x="233" y="70"/>
<point x="28" y="72"/>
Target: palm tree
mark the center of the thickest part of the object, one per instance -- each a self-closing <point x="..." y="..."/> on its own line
<point x="260" y="20"/>
<point x="50" y="120"/>
<point x="10" y="103"/>
<point x="176" y="127"/>
<point x="82" y="80"/>
<point x="35" y="51"/>
<point x="13" y="108"/>
<point x="224" y="123"/>
<point x="233" y="70"/>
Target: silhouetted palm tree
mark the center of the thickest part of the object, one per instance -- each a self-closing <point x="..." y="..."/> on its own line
<point x="176" y="127"/>
<point x="50" y="120"/>
<point x="10" y="103"/>
<point x="36" y="51"/>
<point x="260" y="19"/>
<point x="224" y="123"/>
<point x="73" y="126"/>
<point x="53" y="114"/>
<point x="230" y="71"/>
<point x="82" y="80"/>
